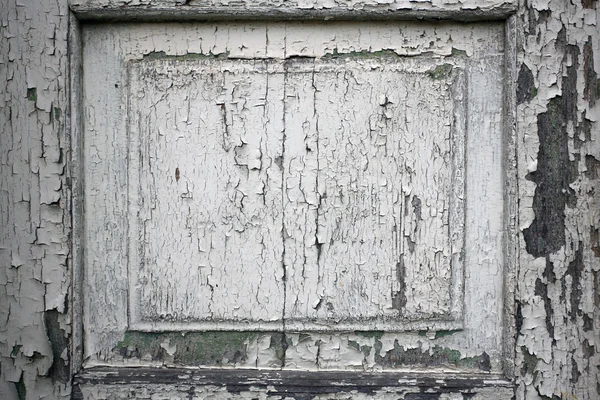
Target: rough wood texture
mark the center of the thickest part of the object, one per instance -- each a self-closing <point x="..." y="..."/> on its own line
<point x="222" y="384"/>
<point x="173" y="10"/>
<point x="559" y="274"/>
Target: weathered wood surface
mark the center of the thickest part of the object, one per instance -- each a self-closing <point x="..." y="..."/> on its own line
<point x="366" y="236"/>
<point x="557" y="122"/>
<point x="208" y="192"/>
<point x="558" y="125"/>
<point x="351" y="208"/>
<point x="219" y="392"/>
<point x="103" y="383"/>
<point x="34" y="200"/>
<point x="177" y="10"/>
<point x="364" y="220"/>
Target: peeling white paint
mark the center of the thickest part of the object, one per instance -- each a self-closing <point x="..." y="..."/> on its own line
<point x="217" y="393"/>
<point x="349" y="212"/>
<point x="556" y="330"/>
<point x="333" y="5"/>
<point x="34" y="213"/>
<point x="35" y="216"/>
<point x="192" y="260"/>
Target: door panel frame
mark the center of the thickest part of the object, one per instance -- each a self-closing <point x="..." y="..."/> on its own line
<point x="287" y="382"/>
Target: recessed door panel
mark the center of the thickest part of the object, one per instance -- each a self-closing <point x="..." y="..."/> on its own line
<point x="323" y="196"/>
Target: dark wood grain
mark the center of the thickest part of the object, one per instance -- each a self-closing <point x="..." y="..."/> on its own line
<point x="289" y="382"/>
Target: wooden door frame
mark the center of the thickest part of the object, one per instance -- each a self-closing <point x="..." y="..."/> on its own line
<point x="287" y="382"/>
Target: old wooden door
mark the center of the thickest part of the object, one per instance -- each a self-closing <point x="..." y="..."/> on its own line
<point x="295" y="209"/>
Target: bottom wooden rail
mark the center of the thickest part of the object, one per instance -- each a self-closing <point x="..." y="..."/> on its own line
<point x="107" y="382"/>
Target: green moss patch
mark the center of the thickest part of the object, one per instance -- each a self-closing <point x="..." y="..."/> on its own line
<point x="194" y="348"/>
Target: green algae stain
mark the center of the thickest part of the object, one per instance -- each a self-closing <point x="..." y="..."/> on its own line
<point x="279" y="343"/>
<point x="15" y="350"/>
<point x="303" y="337"/>
<point x="530" y="362"/>
<point x="21" y="389"/>
<point x="440" y="72"/>
<point x="438" y="334"/>
<point x="193" y="348"/>
<point x="32" y="94"/>
<point x="377" y="335"/>
<point x="354" y="345"/>
<point x="365" y="349"/>
<point x="436" y="357"/>
<point x="458" y="52"/>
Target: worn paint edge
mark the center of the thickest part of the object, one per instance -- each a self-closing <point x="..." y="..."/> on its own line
<point x="75" y="183"/>
<point x="282" y="378"/>
<point x="510" y="197"/>
<point x="149" y="13"/>
<point x="298" y="326"/>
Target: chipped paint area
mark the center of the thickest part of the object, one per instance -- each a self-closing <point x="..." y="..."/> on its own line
<point x="359" y="351"/>
<point x="345" y="208"/>
<point x="558" y="308"/>
<point x="217" y="393"/>
<point x="34" y="201"/>
<point x="299" y="178"/>
<point x="277" y="5"/>
<point x="558" y="172"/>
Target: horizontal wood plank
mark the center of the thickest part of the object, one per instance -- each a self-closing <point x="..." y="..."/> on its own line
<point x="310" y="381"/>
<point x="110" y="10"/>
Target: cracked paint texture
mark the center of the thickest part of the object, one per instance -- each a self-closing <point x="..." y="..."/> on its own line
<point x="558" y="311"/>
<point x="34" y="212"/>
<point x="334" y="5"/>
<point x="345" y="215"/>
<point x="558" y="301"/>
<point x="246" y="201"/>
